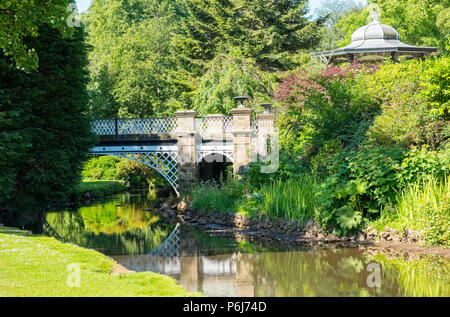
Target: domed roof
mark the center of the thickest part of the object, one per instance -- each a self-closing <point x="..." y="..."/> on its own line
<point x="375" y="31"/>
<point x="377" y="38"/>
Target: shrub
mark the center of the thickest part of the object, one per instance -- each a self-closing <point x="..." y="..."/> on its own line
<point x="421" y="163"/>
<point x="361" y="183"/>
<point x="289" y="167"/>
<point x="133" y="174"/>
<point x="320" y="106"/>
<point x="413" y="96"/>
<point x="436" y="223"/>
<point x="100" y="168"/>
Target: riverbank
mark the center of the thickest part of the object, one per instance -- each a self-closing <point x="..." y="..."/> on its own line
<point x="90" y="190"/>
<point x="36" y="265"/>
<point x="292" y="231"/>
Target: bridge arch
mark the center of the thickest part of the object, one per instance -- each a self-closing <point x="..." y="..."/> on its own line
<point x="165" y="163"/>
<point x="213" y="164"/>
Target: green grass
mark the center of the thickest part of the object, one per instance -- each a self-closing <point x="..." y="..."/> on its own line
<point x="33" y="265"/>
<point x="100" y="189"/>
<point x="208" y="197"/>
<point x="291" y="199"/>
<point x="423" y="206"/>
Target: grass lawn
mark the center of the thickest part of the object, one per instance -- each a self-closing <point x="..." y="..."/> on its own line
<point x="34" y="265"/>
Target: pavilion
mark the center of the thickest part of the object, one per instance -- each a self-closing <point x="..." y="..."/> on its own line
<point x="374" y="42"/>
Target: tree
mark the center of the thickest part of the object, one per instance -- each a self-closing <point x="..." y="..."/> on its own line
<point x="332" y="11"/>
<point x="263" y="30"/>
<point x="45" y="132"/>
<point x="219" y="37"/>
<point x="20" y="19"/>
<point x="132" y="58"/>
<point x="227" y="76"/>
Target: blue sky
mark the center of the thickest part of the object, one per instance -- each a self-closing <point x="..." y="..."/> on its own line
<point x="314" y="4"/>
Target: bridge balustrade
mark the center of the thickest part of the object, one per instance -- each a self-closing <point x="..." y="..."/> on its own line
<point x="154" y="126"/>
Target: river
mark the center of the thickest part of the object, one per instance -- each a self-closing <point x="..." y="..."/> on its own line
<point x="128" y="228"/>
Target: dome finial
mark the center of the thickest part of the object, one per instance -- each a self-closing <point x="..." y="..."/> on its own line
<point x="374" y="15"/>
<point x="374" y="11"/>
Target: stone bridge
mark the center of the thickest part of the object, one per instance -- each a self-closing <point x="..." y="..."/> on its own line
<point x="176" y="147"/>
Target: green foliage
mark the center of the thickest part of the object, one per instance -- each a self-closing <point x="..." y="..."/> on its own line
<point x="324" y="105"/>
<point x="288" y="168"/>
<point x="98" y="189"/>
<point x="422" y="206"/>
<point x="334" y="11"/>
<point x="420" y="164"/>
<point x="291" y="199"/>
<point x="132" y="61"/>
<point x="100" y="168"/>
<point x="321" y="163"/>
<point x="436" y="223"/>
<point x="361" y="183"/>
<point x="129" y="172"/>
<point x="265" y="31"/>
<point x="229" y="76"/>
<point x="44" y="126"/>
<point x="412" y="96"/>
<point x="138" y="175"/>
<point x="209" y="196"/>
<point x="21" y="19"/>
<point x="416" y="21"/>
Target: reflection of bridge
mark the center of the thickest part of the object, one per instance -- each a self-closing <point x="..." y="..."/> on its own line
<point x="180" y="257"/>
<point x="171" y="245"/>
<point x="175" y="146"/>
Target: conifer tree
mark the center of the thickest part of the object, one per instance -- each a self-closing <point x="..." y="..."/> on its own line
<point x="44" y="130"/>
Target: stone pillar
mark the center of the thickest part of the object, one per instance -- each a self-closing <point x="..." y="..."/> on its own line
<point x="265" y="130"/>
<point x="241" y="138"/>
<point x="187" y="140"/>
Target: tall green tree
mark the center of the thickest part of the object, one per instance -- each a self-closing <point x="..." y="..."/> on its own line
<point x="44" y="130"/>
<point x="263" y="30"/>
<point x="220" y="38"/>
<point x="132" y="58"/>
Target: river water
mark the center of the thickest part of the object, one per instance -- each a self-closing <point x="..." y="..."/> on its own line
<point x="127" y="228"/>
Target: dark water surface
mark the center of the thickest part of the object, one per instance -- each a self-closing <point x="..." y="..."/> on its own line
<point x="127" y="228"/>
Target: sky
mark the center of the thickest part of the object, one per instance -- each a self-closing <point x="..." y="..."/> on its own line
<point x="83" y="5"/>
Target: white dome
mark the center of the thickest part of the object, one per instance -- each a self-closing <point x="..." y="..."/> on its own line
<point x="375" y="31"/>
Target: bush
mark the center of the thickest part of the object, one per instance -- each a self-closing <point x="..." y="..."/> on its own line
<point x="98" y="189"/>
<point x="133" y="174"/>
<point x="100" y="168"/>
<point x="325" y="105"/>
<point x="414" y="98"/>
<point x="289" y="167"/>
<point x="361" y="183"/>
<point x="436" y="223"/>
<point x="421" y="163"/>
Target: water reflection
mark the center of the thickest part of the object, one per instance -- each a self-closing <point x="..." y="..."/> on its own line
<point x="224" y="267"/>
<point x="233" y="266"/>
<point x="118" y="225"/>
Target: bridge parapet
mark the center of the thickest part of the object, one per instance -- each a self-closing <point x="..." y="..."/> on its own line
<point x="155" y="128"/>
